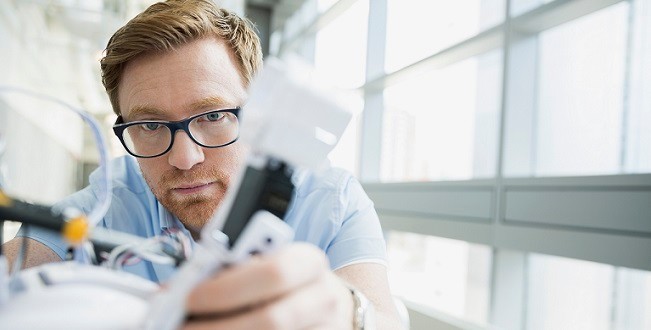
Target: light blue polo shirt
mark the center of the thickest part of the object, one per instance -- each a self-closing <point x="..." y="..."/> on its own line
<point x="329" y="209"/>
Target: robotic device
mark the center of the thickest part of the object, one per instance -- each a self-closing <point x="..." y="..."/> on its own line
<point x="288" y="124"/>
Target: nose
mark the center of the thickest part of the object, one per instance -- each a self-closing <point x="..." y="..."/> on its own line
<point x="185" y="153"/>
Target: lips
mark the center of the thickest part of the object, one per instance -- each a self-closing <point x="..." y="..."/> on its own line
<point x="190" y="188"/>
<point x="192" y="185"/>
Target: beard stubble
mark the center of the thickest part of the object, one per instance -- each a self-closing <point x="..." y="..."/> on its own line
<point x="192" y="211"/>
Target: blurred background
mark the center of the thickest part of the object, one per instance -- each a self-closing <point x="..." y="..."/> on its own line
<point x="506" y="143"/>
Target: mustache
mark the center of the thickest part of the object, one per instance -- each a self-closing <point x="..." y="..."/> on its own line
<point x="175" y="177"/>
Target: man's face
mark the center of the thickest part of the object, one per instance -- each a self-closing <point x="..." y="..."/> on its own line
<point x="189" y="180"/>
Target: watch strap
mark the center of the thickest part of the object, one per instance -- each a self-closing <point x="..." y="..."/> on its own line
<point x="362" y="310"/>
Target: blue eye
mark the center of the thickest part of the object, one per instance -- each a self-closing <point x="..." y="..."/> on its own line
<point x="151" y="126"/>
<point x="214" y="116"/>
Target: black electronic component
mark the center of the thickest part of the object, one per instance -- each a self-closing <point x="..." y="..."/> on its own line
<point x="33" y="214"/>
<point x="269" y="188"/>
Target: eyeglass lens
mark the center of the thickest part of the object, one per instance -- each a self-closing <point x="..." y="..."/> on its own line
<point x="213" y="129"/>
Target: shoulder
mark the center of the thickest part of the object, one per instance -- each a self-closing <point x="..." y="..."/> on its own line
<point x="331" y="194"/>
<point x="334" y="184"/>
<point x="130" y="195"/>
<point x="332" y="211"/>
<point x="331" y="180"/>
<point x="124" y="174"/>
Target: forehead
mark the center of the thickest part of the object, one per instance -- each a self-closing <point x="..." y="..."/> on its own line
<point x="193" y="78"/>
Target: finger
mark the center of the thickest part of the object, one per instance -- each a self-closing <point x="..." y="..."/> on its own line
<point x="259" y="280"/>
<point x="323" y="304"/>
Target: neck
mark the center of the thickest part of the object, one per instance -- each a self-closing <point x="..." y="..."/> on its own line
<point x="195" y="234"/>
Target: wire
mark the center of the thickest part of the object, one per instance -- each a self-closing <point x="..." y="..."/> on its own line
<point x="23" y="249"/>
<point x="105" y="186"/>
<point x="152" y="249"/>
<point x="19" y="263"/>
<point x="181" y="238"/>
<point x="104" y="191"/>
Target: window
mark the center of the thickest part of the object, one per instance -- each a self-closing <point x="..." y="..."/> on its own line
<point x="632" y="299"/>
<point x="442" y="125"/>
<point x="340" y="60"/>
<point x="340" y="50"/>
<point x="567" y="293"/>
<point x="447" y="275"/>
<point x="637" y="120"/>
<point x="577" y="104"/>
<point x="324" y="5"/>
<point x="521" y="6"/>
<point x="417" y="29"/>
<point x="580" y="103"/>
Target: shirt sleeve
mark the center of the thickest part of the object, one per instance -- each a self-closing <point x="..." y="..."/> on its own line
<point x="360" y="237"/>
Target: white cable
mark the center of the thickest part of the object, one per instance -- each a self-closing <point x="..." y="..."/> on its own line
<point x="150" y="250"/>
<point x="104" y="191"/>
<point x="104" y="195"/>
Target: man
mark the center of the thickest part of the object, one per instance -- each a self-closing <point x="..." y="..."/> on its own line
<point x="190" y="60"/>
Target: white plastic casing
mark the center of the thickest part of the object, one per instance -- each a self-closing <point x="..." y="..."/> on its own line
<point x="264" y="233"/>
<point x="292" y="120"/>
<point x="68" y="295"/>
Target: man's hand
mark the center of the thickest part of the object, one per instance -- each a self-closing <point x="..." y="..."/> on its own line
<point x="292" y="288"/>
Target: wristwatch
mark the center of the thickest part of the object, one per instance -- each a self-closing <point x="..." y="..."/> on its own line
<point x="363" y="313"/>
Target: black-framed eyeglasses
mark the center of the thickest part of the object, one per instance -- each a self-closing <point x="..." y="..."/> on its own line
<point x="152" y="138"/>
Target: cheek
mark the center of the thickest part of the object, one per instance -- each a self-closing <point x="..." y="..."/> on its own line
<point x="152" y="168"/>
<point x="227" y="159"/>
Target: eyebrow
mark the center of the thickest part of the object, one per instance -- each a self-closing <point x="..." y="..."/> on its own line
<point x="211" y="102"/>
<point x="139" y="111"/>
